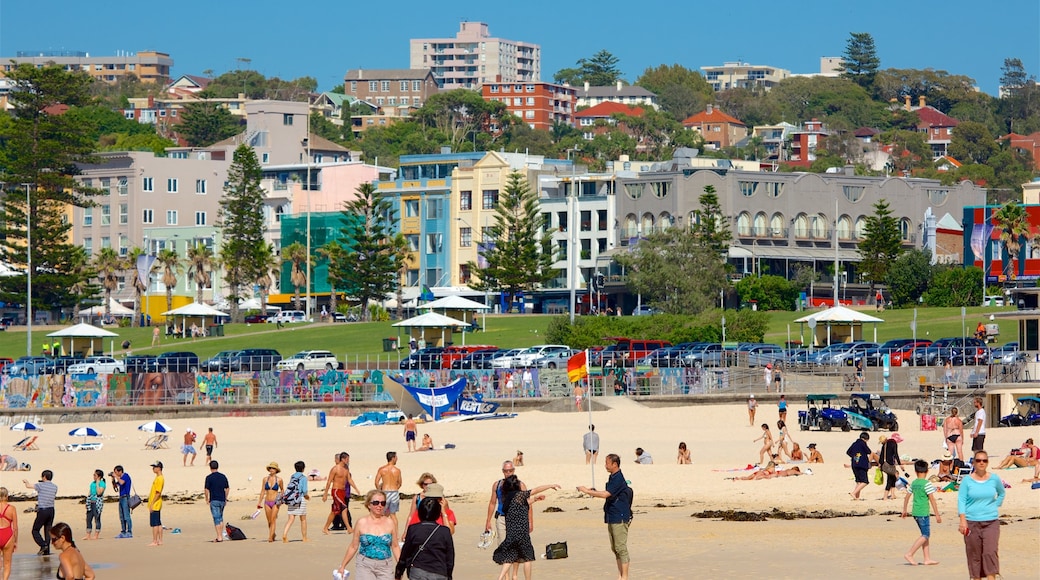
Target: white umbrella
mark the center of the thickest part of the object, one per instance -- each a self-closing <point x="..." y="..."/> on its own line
<point x="26" y="426"/>
<point x="85" y="432"/>
<point x="154" y="427"/>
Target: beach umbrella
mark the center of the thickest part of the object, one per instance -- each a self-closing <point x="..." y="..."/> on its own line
<point x="26" y="426"/>
<point x="154" y="427"/>
<point x="85" y="432"/>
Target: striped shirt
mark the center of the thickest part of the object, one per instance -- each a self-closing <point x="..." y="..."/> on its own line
<point x="46" y="491"/>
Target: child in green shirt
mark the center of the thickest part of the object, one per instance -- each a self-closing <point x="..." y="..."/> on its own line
<point x="923" y="493"/>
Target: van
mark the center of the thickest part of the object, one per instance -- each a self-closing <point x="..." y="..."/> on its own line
<point x="457" y="352"/>
<point x="288" y="316"/>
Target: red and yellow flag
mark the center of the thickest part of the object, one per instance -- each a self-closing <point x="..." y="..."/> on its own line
<point x="578" y="367"/>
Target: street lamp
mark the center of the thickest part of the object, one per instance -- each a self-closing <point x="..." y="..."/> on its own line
<point x="29" y="272"/>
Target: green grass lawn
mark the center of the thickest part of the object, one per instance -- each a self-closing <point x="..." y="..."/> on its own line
<point x="364" y="340"/>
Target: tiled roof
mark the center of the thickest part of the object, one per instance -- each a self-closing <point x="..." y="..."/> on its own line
<point x="932" y="117"/>
<point x="608" y="108"/>
<point x="715" y="116"/>
<point x="387" y="74"/>
<point x="866" y="132"/>
<point x="612" y="91"/>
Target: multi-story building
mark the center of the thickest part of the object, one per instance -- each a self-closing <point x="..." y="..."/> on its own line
<point x="773" y="138"/>
<point x="619" y="92"/>
<point x="718" y="129"/>
<point x="473" y="57"/>
<point x="936" y="126"/>
<point x="741" y="75"/>
<point x="540" y="105"/>
<point x="149" y="66"/>
<point x="599" y="118"/>
<point x="804" y="142"/>
<point x="395" y="92"/>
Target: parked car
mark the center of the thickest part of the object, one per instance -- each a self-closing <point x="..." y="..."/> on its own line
<point x="490" y="360"/>
<point x="945" y="349"/>
<point x="140" y="363"/>
<point x="288" y="316"/>
<point x="27" y="366"/>
<point x="527" y="356"/>
<point x="254" y="359"/>
<point x="256" y="318"/>
<point x="176" y="362"/>
<point x="309" y="360"/>
<point x="993" y="301"/>
<point x="424" y="358"/>
<point x="709" y="354"/>
<point x="644" y="311"/>
<point x="104" y="365"/>
<point x="218" y="363"/>
<point x="841" y="353"/>
<point x="904" y="355"/>
<point x="1004" y="355"/>
<point x="476" y="360"/>
<point x="456" y="352"/>
<point x="874" y="357"/>
<point x="555" y="359"/>
<point x="60" y="365"/>
<point x="668" y="356"/>
<point x="626" y="351"/>
<point x="759" y="355"/>
<point x="873" y="407"/>
<point x="821" y="415"/>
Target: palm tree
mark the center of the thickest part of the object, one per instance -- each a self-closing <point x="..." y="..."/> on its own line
<point x="200" y="268"/>
<point x="269" y="267"/>
<point x="108" y="265"/>
<point x="1013" y="222"/>
<point x="401" y="251"/>
<point x="130" y="269"/>
<point x="171" y="265"/>
<point x="296" y="253"/>
<point x="334" y="254"/>
<point x="81" y="267"/>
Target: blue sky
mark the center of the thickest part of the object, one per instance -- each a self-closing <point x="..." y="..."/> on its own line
<point x="323" y="40"/>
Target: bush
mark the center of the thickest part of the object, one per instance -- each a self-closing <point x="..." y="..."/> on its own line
<point x="589" y="331"/>
<point x="955" y="286"/>
<point x="770" y="292"/>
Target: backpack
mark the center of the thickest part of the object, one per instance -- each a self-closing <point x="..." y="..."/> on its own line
<point x="292" y="491"/>
<point x="234" y="533"/>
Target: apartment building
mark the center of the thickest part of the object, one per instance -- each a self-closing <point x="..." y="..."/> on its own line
<point x="598" y="119"/>
<point x="149" y="66"/>
<point x="473" y="57"/>
<point x="718" y="129"/>
<point x="804" y="142"/>
<point x="936" y="126"/>
<point x="395" y="92"/>
<point x="619" y="92"/>
<point x="540" y="105"/>
<point x="741" y="75"/>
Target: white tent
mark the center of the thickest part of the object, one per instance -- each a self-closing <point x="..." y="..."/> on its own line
<point x="453" y="303"/>
<point x="254" y="304"/>
<point x="89" y="337"/>
<point x="838" y="324"/>
<point x="116" y="308"/>
<point x="194" y="310"/>
<point x="839" y="314"/>
<point x="420" y="324"/>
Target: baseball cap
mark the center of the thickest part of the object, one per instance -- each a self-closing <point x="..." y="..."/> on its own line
<point x="434" y="490"/>
<point x="812" y="446"/>
<point x="157" y="464"/>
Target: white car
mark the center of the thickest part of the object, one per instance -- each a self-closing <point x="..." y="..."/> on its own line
<point x="309" y="360"/>
<point x="104" y="365"/>
<point x="527" y="357"/>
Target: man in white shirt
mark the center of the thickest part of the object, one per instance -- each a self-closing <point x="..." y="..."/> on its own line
<point x="978" y="430"/>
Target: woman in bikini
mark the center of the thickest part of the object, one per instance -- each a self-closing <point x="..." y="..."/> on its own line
<point x="270" y="497"/>
<point x="8" y="531"/>
<point x="796" y="452"/>
<point x="684" y="454"/>
<point x="782" y="437"/>
<point x="375" y="542"/>
<point x="767" y="443"/>
<point x="73" y="565"/>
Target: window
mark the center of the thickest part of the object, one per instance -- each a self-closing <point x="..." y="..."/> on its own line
<point x="200" y="186"/>
<point x="433" y="209"/>
<point x="518" y="101"/>
<point x="106" y="242"/>
<point x="660" y="189"/>
<point x="413" y="242"/>
<point x="88" y="216"/>
<point x="88" y="246"/>
<point x="287" y="118"/>
<point x="744" y="224"/>
<point x="416" y="86"/>
<point x="634" y="190"/>
<point x="938" y="196"/>
<point x="486" y="235"/>
<point x="124" y="244"/>
<point x="586" y="221"/>
<point x="561" y="218"/>
<point x="265" y="158"/>
<point x="490" y="198"/>
<point x="434" y="243"/>
<point x="546" y="221"/>
<point x="391" y="101"/>
<point x="819" y="227"/>
<point x="464" y="274"/>
<point x="106" y="215"/>
<point x="494" y="88"/>
<point x="200" y="218"/>
<point x="373" y="86"/>
<point x="124" y="215"/>
<point x="844" y="228"/>
<point x="852" y="193"/>
<point x="747" y="188"/>
<point x="171" y="185"/>
<point x="905" y="227"/>
<point x="465" y="237"/>
<point x="529" y="114"/>
<point x="776" y="226"/>
<point x="411" y="208"/>
<point x="147" y="216"/>
<point x="760" y="227"/>
<point x="561" y="249"/>
<point x="353" y="86"/>
<point x="380" y="101"/>
<point x="801" y="226"/>
<point x="530" y="101"/>
<point x="171" y="217"/>
<point x="773" y="188"/>
<point x="404" y="86"/>
<point x="465" y="200"/>
<point x="123" y="188"/>
<point x="147" y="184"/>
<point x="384" y="86"/>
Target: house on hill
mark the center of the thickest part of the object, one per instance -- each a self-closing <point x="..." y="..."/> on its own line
<point x="718" y="129"/>
<point x="588" y="120"/>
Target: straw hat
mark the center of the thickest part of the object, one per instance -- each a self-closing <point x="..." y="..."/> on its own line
<point x="947" y="457"/>
<point x="274" y="465"/>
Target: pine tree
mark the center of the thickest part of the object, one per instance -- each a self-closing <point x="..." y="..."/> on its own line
<point x="881" y="244"/>
<point x="368" y="267"/>
<point x="860" y="61"/>
<point x="242" y="223"/>
<point x="709" y="226"/>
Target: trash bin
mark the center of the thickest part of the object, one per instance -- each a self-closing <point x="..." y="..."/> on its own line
<point x="321" y="419"/>
<point x="220" y="330"/>
<point x="389" y="344"/>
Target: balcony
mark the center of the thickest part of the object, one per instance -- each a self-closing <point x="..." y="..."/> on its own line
<point x="765" y="232"/>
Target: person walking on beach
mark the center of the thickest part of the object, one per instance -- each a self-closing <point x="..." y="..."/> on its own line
<point x="430" y="488"/>
<point x="782" y="437"/>
<point x="590" y="442"/>
<point x="953" y="433"/>
<point x="778" y="376"/>
<point x="8" y="531"/>
<point x="270" y="490"/>
<point x="388" y="481"/>
<point x="497" y="510"/>
<point x="888" y="459"/>
<point x="978" y="500"/>
<point x="516" y="547"/>
<point x="428" y="551"/>
<point x="767" y="444"/>
<point x="155" y="504"/>
<point x="338" y="485"/>
<point x="189" y="447"/>
<point x="217" y="489"/>
<point x="752" y="407"/>
<point x="121" y="482"/>
<point x="95" y="503"/>
<point x="409" y="432"/>
<point x="978" y="429"/>
<point x="295" y="498"/>
<point x="579" y="394"/>
<point x="923" y="493"/>
<point x="46" y="491"/>
<point x="617" y="511"/>
<point x="859" y="453"/>
<point x="767" y="376"/>
<point x="210" y="441"/>
<point x="781" y="407"/>
<point x="374" y="543"/>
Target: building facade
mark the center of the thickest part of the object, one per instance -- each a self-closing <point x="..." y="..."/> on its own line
<point x="473" y="57"/>
<point x="741" y="75"/>
<point x="149" y="66"/>
<point x="619" y="92"/>
<point x="540" y="105"/>
<point x="718" y="129"/>
<point x="598" y="119"/>
<point x="395" y="92"/>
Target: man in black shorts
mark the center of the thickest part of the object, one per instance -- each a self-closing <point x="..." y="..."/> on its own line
<point x="591" y="444"/>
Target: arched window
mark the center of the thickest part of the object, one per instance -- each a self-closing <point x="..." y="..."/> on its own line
<point x="761" y="229"/>
<point x="819" y="227"/>
<point x="844" y="228"/>
<point x="744" y="224"/>
<point x="905" y="229"/>
<point x="776" y="224"/>
<point x="801" y="226"/>
<point x="692" y="219"/>
<point x="665" y="220"/>
<point x="631" y="226"/>
<point x="861" y="227"/>
<point x="938" y="196"/>
<point x="648" y="223"/>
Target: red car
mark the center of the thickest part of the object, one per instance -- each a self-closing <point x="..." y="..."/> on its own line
<point x="256" y="319"/>
<point x="905" y="354"/>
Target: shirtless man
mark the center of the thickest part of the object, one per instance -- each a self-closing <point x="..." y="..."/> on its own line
<point x="579" y="394"/>
<point x="339" y="477"/>
<point x="210" y="441"/>
<point x="388" y="481"/>
<point x="495" y="509"/>
<point x="953" y="432"/>
<point x="409" y="432"/>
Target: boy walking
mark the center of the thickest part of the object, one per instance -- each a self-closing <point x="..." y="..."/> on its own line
<point x="923" y="493"/>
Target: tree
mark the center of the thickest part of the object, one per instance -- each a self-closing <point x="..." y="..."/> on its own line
<point x="242" y="220"/>
<point x="462" y="115"/>
<point x="171" y="266"/>
<point x="269" y="265"/>
<point x="599" y="71"/>
<point x="909" y="150"/>
<point x="123" y="142"/>
<point x="680" y="91"/>
<point x="200" y="268"/>
<point x="710" y="228"/>
<point x="296" y="255"/>
<point x="519" y="257"/>
<point x="860" y="61"/>
<point x="368" y="266"/>
<point x="972" y="143"/>
<point x="769" y="292"/>
<point x="83" y="271"/>
<point x="910" y="277"/>
<point x="203" y="124"/>
<point x="108" y="265"/>
<point x="675" y="272"/>
<point x="881" y="245"/>
<point x="954" y="286"/>
<point x="1013" y="222"/>
<point x="41" y="151"/>
<point x="334" y="255"/>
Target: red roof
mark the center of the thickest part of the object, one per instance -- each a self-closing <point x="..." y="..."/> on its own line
<point x="605" y="109"/>
<point x="932" y="117"/>
<point x="715" y="116"/>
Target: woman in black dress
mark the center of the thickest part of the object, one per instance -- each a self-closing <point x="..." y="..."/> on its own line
<point x="516" y="548"/>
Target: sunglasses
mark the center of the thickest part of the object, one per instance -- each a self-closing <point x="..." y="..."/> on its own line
<point x="982" y="461"/>
<point x="508" y="470"/>
<point x="425" y="483"/>
<point x="376" y="502"/>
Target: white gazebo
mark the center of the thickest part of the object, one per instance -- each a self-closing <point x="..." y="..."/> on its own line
<point x="419" y="327"/>
<point x="194" y="311"/>
<point x="115" y="308"/>
<point x="88" y="338"/>
<point x="837" y="324"/>
<point x="457" y="306"/>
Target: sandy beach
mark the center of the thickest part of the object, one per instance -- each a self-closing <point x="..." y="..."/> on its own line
<point x="665" y="541"/>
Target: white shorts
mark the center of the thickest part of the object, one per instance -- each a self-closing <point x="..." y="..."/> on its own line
<point x="300" y="510"/>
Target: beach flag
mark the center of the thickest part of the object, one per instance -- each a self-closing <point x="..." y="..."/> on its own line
<point x="577" y="367"/>
<point x="426" y="295"/>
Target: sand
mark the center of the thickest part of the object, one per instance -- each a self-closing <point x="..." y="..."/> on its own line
<point x="665" y="541"/>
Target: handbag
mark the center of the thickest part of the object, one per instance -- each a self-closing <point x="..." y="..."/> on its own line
<point x="134" y="500"/>
<point x="556" y="550"/>
<point x="889" y="469"/>
<point x="879" y="476"/>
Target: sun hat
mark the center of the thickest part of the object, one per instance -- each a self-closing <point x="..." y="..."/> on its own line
<point x="769" y="365"/>
<point x="274" y="465"/>
<point x="896" y="437"/>
<point x="188" y="430"/>
<point x="947" y="457"/>
<point x="434" y="490"/>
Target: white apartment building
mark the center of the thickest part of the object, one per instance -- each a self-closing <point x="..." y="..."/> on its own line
<point x="473" y="57"/>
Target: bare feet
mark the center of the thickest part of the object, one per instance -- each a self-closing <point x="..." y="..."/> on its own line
<point x="909" y="559"/>
<point x="152" y="544"/>
<point x="930" y="563"/>
<point x="285" y="540"/>
<point x="325" y="531"/>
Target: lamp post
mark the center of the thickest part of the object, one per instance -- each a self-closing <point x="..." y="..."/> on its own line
<point x="28" y="271"/>
<point x="572" y="262"/>
<point x="307" y="183"/>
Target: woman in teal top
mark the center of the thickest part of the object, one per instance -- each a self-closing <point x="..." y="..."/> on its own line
<point x="95" y="502"/>
<point x="978" y="501"/>
<point x="375" y="542"/>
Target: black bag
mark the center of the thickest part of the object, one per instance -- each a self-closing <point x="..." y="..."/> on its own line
<point x="556" y="551"/>
<point x="133" y="501"/>
<point x="234" y="533"/>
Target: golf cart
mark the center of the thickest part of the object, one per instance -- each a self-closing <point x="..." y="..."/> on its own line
<point x="821" y="415"/>
<point x="873" y="408"/>
<point x="1027" y="413"/>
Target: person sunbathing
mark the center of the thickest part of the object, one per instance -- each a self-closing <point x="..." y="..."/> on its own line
<point x="764" y="473"/>
<point x="1027" y="458"/>
<point x="814" y="455"/>
<point x="796" y="452"/>
<point x="427" y="443"/>
<point x="945" y="468"/>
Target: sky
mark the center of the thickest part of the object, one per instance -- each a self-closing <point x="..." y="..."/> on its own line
<point x="324" y="40"/>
